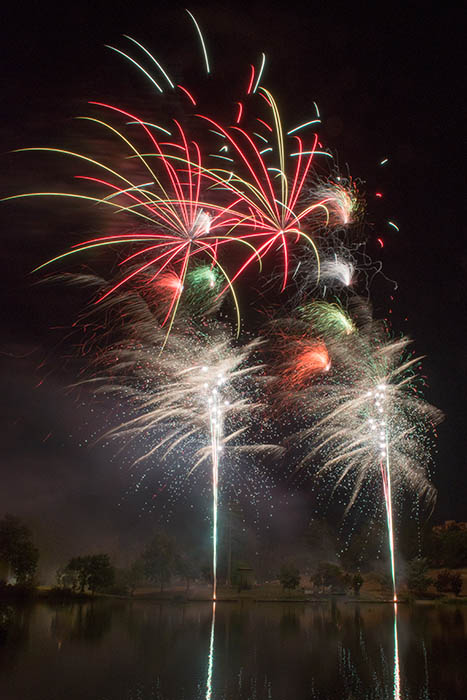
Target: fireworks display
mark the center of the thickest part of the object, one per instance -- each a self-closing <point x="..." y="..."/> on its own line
<point x="195" y="217"/>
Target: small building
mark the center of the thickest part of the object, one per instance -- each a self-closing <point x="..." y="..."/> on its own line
<point x="244" y="576"/>
<point x="450" y="525"/>
<point x="4" y="570"/>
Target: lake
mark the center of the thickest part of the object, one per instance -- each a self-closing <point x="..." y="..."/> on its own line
<point x="109" y="650"/>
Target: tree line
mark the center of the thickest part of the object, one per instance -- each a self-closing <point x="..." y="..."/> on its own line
<point x="311" y="562"/>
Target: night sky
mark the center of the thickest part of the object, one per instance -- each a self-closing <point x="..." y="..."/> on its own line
<point x="387" y="84"/>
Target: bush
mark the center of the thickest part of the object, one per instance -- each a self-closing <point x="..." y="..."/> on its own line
<point x="443" y="581"/>
<point x="7" y="615"/>
<point x="448" y="581"/>
<point x="417" y="580"/>
<point x="19" y="591"/>
<point x="456" y="583"/>
<point x="330" y="576"/>
<point x="357" y="582"/>
<point x="17" y="549"/>
<point x="60" y="594"/>
<point x="289" y="576"/>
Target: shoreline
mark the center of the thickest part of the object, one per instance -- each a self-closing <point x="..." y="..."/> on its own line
<point x="44" y="595"/>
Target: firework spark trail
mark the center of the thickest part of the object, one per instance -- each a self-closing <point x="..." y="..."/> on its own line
<point x="379" y="425"/>
<point x="203" y="387"/>
<point x="216" y="420"/>
<point x="369" y="419"/>
<point x="387" y="488"/>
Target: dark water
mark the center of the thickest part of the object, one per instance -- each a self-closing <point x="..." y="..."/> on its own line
<point x="147" y="651"/>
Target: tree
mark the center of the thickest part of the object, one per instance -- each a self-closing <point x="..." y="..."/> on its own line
<point x="357" y="582"/>
<point x="186" y="568"/>
<point x="67" y="578"/>
<point x="100" y="573"/>
<point x="289" y="576"/>
<point x="132" y="577"/>
<point x="17" y="549"/>
<point x="206" y="573"/>
<point x="456" y="583"/>
<point x="330" y="576"/>
<point x="417" y="579"/>
<point x="75" y="572"/>
<point x="159" y="559"/>
<point x="93" y="571"/>
<point x="448" y="547"/>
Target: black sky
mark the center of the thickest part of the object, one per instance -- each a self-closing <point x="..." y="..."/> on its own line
<point x="388" y="83"/>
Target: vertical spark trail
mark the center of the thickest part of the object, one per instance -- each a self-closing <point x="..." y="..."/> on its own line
<point x="216" y="424"/>
<point x="386" y="475"/>
<point x="211" y="654"/>
<point x="379" y="424"/>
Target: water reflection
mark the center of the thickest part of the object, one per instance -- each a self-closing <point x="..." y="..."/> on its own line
<point x="211" y="653"/>
<point x="223" y="651"/>
<point x="397" y="674"/>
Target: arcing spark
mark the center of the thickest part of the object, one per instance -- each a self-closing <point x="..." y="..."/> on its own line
<point x="328" y="319"/>
<point x="337" y="272"/>
<point x="344" y="203"/>
<point x="300" y="354"/>
<point x="271" y="195"/>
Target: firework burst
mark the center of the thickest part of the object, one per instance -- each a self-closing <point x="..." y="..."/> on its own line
<point x="270" y="182"/>
<point x="176" y="222"/>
